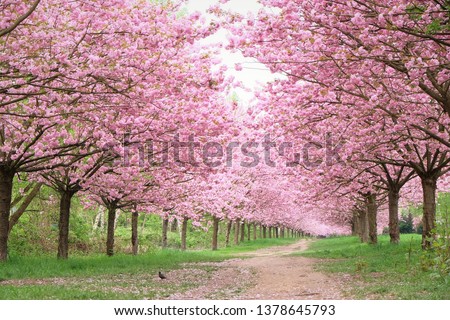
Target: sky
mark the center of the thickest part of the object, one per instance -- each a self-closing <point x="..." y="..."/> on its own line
<point x="253" y="74"/>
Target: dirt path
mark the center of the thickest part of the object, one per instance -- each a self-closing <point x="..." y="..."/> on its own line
<point x="267" y="274"/>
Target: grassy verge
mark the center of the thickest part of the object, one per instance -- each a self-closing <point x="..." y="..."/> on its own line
<point x="118" y="277"/>
<point x="383" y="271"/>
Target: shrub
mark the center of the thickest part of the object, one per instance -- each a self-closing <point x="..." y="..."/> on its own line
<point x="437" y="258"/>
<point x="406" y="223"/>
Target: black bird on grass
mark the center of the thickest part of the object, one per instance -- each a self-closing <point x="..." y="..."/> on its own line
<point x="161" y="275"/>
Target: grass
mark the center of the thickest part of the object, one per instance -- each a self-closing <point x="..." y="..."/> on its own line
<point x="102" y="277"/>
<point x="381" y="271"/>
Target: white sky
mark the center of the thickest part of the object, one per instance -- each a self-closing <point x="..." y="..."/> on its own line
<point x="253" y="74"/>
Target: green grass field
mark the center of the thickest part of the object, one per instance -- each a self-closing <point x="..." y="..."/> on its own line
<point x="382" y="271"/>
<point x="118" y="277"/>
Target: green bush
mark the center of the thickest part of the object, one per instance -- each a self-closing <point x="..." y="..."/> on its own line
<point x="437" y="258"/>
<point x="406" y="224"/>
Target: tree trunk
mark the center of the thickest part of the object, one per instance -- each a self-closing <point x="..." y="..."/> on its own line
<point x="264" y="228"/>
<point x="260" y="231"/>
<point x="254" y="231"/>
<point x="276" y="232"/>
<point x="429" y="210"/>
<point x="282" y="232"/>
<point x="110" y="232"/>
<point x="364" y="224"/>
<point x="248" y="231"/>
<point x="134" y="232"/>
<point x="215" y="233"/>
<point x="242" y="231"/>
<point x="236" y="231"/>
<point x="356" y="226"/>
<point x="394" y="230"/>
<point x="184" y="233"/>
<point x="6" y="185"/>
<point x="64" y="217"/>
<point x="165" y="227"/>
<point x="227" y="238"/>
<point x="270" y="232"/>
<point x="372" y="217"/>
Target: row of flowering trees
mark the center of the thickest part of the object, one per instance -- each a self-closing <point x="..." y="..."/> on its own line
<point x="94" y="98"/>
<point x="372" y="74"/>
<point x="119" y="102"/>
<point x="82" y="82"/>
